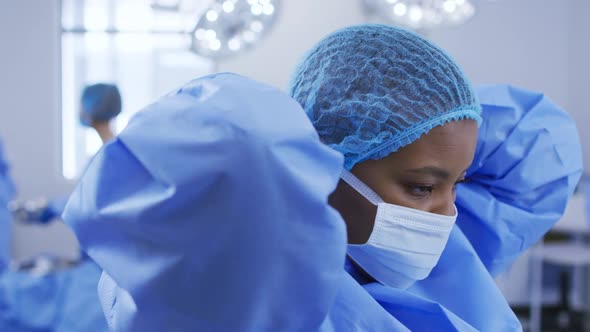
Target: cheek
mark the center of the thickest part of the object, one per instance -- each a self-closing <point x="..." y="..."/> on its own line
<point x="357" y="212"/>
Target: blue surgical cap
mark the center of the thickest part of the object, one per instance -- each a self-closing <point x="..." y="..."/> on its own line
<point x="372" y="89"/>
<point x="100" y="102"/>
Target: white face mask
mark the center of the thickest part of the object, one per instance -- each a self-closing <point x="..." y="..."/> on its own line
<point x="405" y="243"/>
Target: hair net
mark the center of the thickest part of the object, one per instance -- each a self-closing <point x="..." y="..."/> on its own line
<point x="372" y="89"/>
<point x="100" y="102"/>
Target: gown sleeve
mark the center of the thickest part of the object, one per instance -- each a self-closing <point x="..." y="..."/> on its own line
<point x="527" y="164"/>
<point x="209" y="213"/>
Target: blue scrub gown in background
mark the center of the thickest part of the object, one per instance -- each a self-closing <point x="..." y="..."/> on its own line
<point x="61" y="301"/>
<point x="7" y="193"/>
<point x="209" y="213"/>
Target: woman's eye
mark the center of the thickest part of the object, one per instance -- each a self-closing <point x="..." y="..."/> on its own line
<point x="420" y="190"/>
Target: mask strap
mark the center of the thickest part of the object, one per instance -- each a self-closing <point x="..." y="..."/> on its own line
<point x="360" y="187"/>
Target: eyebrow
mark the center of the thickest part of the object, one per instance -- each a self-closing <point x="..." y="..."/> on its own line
<point x="434" y="171"/>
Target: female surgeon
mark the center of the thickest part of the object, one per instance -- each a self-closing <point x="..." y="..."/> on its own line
<point x="219" y="209"/>
<point x="405" y="118"/>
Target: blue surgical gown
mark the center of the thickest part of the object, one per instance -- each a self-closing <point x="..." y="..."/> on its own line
<point x="209" y="212"/>
<point x="527" y="163"/>
<point x="7" y="192"/>
<point x="61" y="301"/>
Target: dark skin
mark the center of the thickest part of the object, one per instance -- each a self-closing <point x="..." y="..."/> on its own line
<point x="103" y="129"/>
<point x="422" y="176"/>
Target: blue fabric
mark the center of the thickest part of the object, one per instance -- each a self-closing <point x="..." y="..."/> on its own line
<point x="54" y="209"/>
<point x="527" y="164"/>
<point x="62" y="301"/>
<point x="354" y="309"/>
<point x="7" y="192"/>
<point x="209" y="213"/>
<point x="100" y="102"/>
<point x="462" y="288"/>
<point x="458" y="295"/>
<point x="372" y="89"/>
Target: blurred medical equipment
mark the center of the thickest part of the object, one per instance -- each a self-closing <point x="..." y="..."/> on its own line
<point x="573" y="253"/>
<point x="229" y="27"/>
<point x="421" y="14"/>
<point x="39" y="211"/>
<point x="47" y="292"/>
<point x="217" y="28"/>
<point x="42" y="265"/>
<point x="50" y="295"/>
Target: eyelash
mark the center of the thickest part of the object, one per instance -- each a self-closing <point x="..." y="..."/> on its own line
<point x="420" y="190"/>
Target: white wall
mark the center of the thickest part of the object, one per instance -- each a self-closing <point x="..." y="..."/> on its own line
<point x="30" y="93"/>
<point x="522" y="42"/>
<point x="536" y="44"/>
<point x="29" y="115"/>
<point x="579" y="71"/>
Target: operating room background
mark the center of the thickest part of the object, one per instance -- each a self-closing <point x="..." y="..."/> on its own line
<point x="538" y="44"/>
